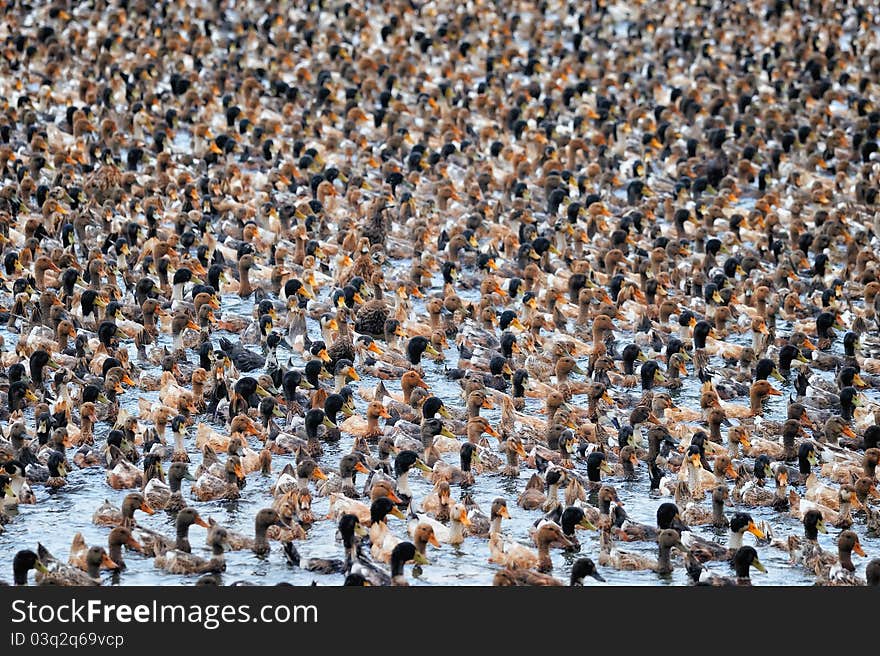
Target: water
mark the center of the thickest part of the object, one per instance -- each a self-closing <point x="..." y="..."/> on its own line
<point x="58" y="515"/>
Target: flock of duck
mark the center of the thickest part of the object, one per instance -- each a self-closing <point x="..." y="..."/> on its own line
<point x="394" y="274"/>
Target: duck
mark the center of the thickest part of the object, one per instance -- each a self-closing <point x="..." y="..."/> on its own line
<point x="843" y="571"/>
<point x="512" y="555"/>
<point x="209" y="487"/>
<point x="264" y="519"/>
<point x="154" y="542"/>
<point x="343" y="505"/>
<point x="176" y="561"/>
<point x="739" y="524"/>
<point x="453" y="534"/>
<point x="161" y="496"/>
<point x="743" y="561"/>
<point x="667" y="539"/>
<point x="55" y="572"/>
<point x="368" y="428"/>
<point x="109" y="515"/>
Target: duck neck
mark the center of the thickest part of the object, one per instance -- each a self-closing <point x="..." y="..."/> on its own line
<point x="373" y="424"/>
<point x="178" y="442"/>
<point x="174" y="483"/>
<point x="845" y="558"/>
<point x="456" y="531"/>
<point x="734" y="540"/>
<point x="183" y="537"/>
<point x="732" y="446"/>
<point x="244" y="285"/>
<point x="718" y="512"/>
<point x="545" y="564"/>
<point x="495" y="525"/>
<point x="177" y="292"/>
<point x="115" y="554"/>
<point x="664" y="563"/>
<point x="260" y="539"/>
<point x="94" y="569"/>
<point x="693" y="477"/>
<point x="781" y="492"/>
<point x="755" y="403"/>
<point x="86" y="429"/>
<point x="403" y="484"/>
<point x="198" y="391"/>
<point x="512" y="457"/>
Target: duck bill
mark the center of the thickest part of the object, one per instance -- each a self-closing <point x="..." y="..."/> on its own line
<point x="131" y="543"/>
<point x="587" y="525"/>
<point x="352" y="374"/>
<point x="397" y="513"/>
<point x="754" y="530"/>
<point x="491" y="431"/>
<point x="319" y="474"/>
<point x="857" y="548"/>
<point x="328" y="423"/>
<point x="433" y="541"/>
<point x="463" y="518"/>
<point x="520" y="450"/>
<point x="375" y="349"/>
<point x="107" y="563"/>
<point x="820" y="526"/>
<point x="487" y="404"/>
<point x="809" y="345"/>
<point x="730" y="471"/>
<point x="503" y="512"/>
<point x="201" y="522"/>
<point x="848" y="432"/>
<point x="323" y="355"/>
<point x="774" y="392"/>
<point x="420" y="559"/>
<point x="605" y="467"/>
<point x="360" y="467"/>
<point x="250" y="429"/>
<point x="146" y="508"/>
<point x="858" y="381"/>
<point x="394" y="497"/>
<point x="778" y="376"/>
<point x="422" y="466"/>
<point x="759" y="566"/>
<point x="607" y="398"/>
<point x="430" y="350"/>
<point x="277" y="412"/>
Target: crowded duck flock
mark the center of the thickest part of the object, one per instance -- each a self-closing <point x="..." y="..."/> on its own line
<point x="439" y="293"/>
